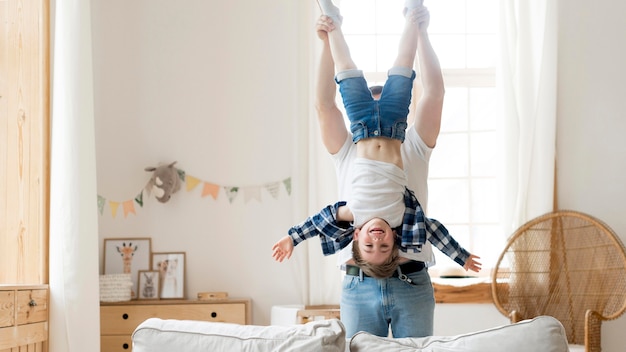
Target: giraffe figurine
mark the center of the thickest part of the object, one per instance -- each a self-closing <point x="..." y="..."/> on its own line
<point x="127" y="253"/>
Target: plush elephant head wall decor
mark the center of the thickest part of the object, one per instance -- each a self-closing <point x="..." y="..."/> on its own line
<point x="164" y="182"/>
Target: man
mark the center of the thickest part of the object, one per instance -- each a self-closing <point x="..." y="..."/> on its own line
<point x="370" y="304"/>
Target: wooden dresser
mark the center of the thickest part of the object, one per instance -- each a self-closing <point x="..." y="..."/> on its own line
<point x="23" y="317"/>
<point x="119" y="320"/>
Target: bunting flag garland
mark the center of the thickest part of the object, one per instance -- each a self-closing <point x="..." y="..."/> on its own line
<point x="250" y="193"/>
<point x="128" y="207"/>
<point x="231" y="193"/>
<point x="210" y="189"/>
<point x="287" y="183"/>
<point x="113" y="206"/>
<point x="101" y="202"/>
<point x="139" y="199"/>
<point x="273" y="189"/>
<point x="192" y="182"/>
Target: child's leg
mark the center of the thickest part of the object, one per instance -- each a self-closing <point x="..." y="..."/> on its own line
<point x="338" y="45"/>
<point x="411" y="4"/>
<point x="329" y="9"/>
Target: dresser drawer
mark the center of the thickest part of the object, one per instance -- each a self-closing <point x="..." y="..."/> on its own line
<point x="116" y="320"/>
<point x="7" y="308"/>
<point x="115" y="343"/>
<point x="32" y="306"/>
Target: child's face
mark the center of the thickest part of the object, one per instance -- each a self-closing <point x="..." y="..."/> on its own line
<point x="375" y="240"/>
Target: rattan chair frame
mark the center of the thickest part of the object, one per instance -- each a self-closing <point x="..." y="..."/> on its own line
<point x="566" y="264"/>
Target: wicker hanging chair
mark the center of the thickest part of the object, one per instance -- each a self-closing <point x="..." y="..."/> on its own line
<point x="564" y="264"/>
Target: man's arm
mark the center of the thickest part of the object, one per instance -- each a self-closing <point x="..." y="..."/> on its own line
<point x="427" y="110"/>
<point x="330" y="118"/>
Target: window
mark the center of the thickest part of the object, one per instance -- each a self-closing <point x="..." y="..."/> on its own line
<point x="463" y="179"/>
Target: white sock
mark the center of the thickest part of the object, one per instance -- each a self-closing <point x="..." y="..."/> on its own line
<point x="329" y="9"/>
<point x="411" y="4"/>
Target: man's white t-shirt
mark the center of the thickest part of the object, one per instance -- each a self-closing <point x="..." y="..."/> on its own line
<point x="415" y="157"/>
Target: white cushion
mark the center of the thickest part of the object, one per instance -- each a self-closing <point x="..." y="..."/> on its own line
<point x="545" y="334"/>
<point x="576" y="348"/>
<point x="158" y="335"/>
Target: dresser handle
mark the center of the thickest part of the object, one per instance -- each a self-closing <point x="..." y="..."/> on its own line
<point x="124" y="316"/>
<point x="213" y="314"/>
<point x="125" y="346"/>
<point x="32" y="303"/>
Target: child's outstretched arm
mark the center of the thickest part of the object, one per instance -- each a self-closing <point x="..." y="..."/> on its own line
<point x="282" y="249"/>
<point x="472" y="263"/>
<point x="333" y="230"/>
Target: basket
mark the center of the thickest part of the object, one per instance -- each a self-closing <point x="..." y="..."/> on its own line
<point x="115" y="287"/>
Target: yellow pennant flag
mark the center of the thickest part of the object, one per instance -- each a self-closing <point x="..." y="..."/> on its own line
<point x="129" y="207"/>
<point x="192" y="182"/>
<point x="113" y="206"/>
<point x="210" y="189"/>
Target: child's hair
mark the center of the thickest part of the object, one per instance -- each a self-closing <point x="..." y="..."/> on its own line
<point x="380" y="271"/>
<point x="376" y="90"/>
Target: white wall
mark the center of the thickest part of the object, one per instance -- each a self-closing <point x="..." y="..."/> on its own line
<point x="216" y="86"/>
<point x="591" y="147"/>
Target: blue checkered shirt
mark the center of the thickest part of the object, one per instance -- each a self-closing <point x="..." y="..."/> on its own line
<point x="415" y="231"/>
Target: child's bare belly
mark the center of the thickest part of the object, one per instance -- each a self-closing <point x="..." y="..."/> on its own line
<point x="380" y="149"/>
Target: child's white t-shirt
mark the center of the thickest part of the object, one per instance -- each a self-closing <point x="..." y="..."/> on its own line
<point x="377" y="192"/>
<point x="415" y="158"/>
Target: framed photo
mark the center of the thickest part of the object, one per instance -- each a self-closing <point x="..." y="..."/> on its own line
<point x="148" y="284"/>
<point x="171" y="268"/>
<point x="127" y="256"/>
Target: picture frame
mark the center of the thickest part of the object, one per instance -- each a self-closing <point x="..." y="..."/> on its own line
<point x="148" y="284"/>
<point x="171" y="268"/>
<point x="127" y="256"/>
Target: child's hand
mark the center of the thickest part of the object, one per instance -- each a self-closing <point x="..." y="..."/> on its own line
<point x="472" y="263"/>
<point x="282" y="249"/>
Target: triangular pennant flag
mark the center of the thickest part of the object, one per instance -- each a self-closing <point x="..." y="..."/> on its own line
<point x="287" y="183"/>
<point x="253" y="192"/>
<point x="139" y="199"/>
<point x="231" y="193"/>
<point x="181" y="174"/>
<point x="129" y="207"/>
<point x="273" y="189"/>
<point x="192" y="182"/>
<point x="210" y="189"/>
<point x="113" y="206"/>
<point x="101" y="202"/>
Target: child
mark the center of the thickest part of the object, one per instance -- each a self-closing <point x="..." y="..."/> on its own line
<point x="381" y="201"/>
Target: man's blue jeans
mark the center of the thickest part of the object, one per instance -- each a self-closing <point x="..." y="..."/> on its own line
<point x="371" y="305"/>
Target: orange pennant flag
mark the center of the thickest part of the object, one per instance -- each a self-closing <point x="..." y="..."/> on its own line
<point x="210" y="189"/>
<point x="113" y="206"/>
<point x="129" y="207"/>
<point x="192" y="182"/>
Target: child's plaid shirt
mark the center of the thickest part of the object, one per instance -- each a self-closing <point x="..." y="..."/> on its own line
<point x="415" y="230"/>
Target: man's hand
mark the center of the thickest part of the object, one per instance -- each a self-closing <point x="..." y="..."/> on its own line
<point x="282" y="249"/>
<point x="324" y="26"/>
<point x="419" y="15"/>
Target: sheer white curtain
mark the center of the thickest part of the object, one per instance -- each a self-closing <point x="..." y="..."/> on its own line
<point x="322" y="277"/>
<point x="527" y="78"/>
<point x="74" y="283"/>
